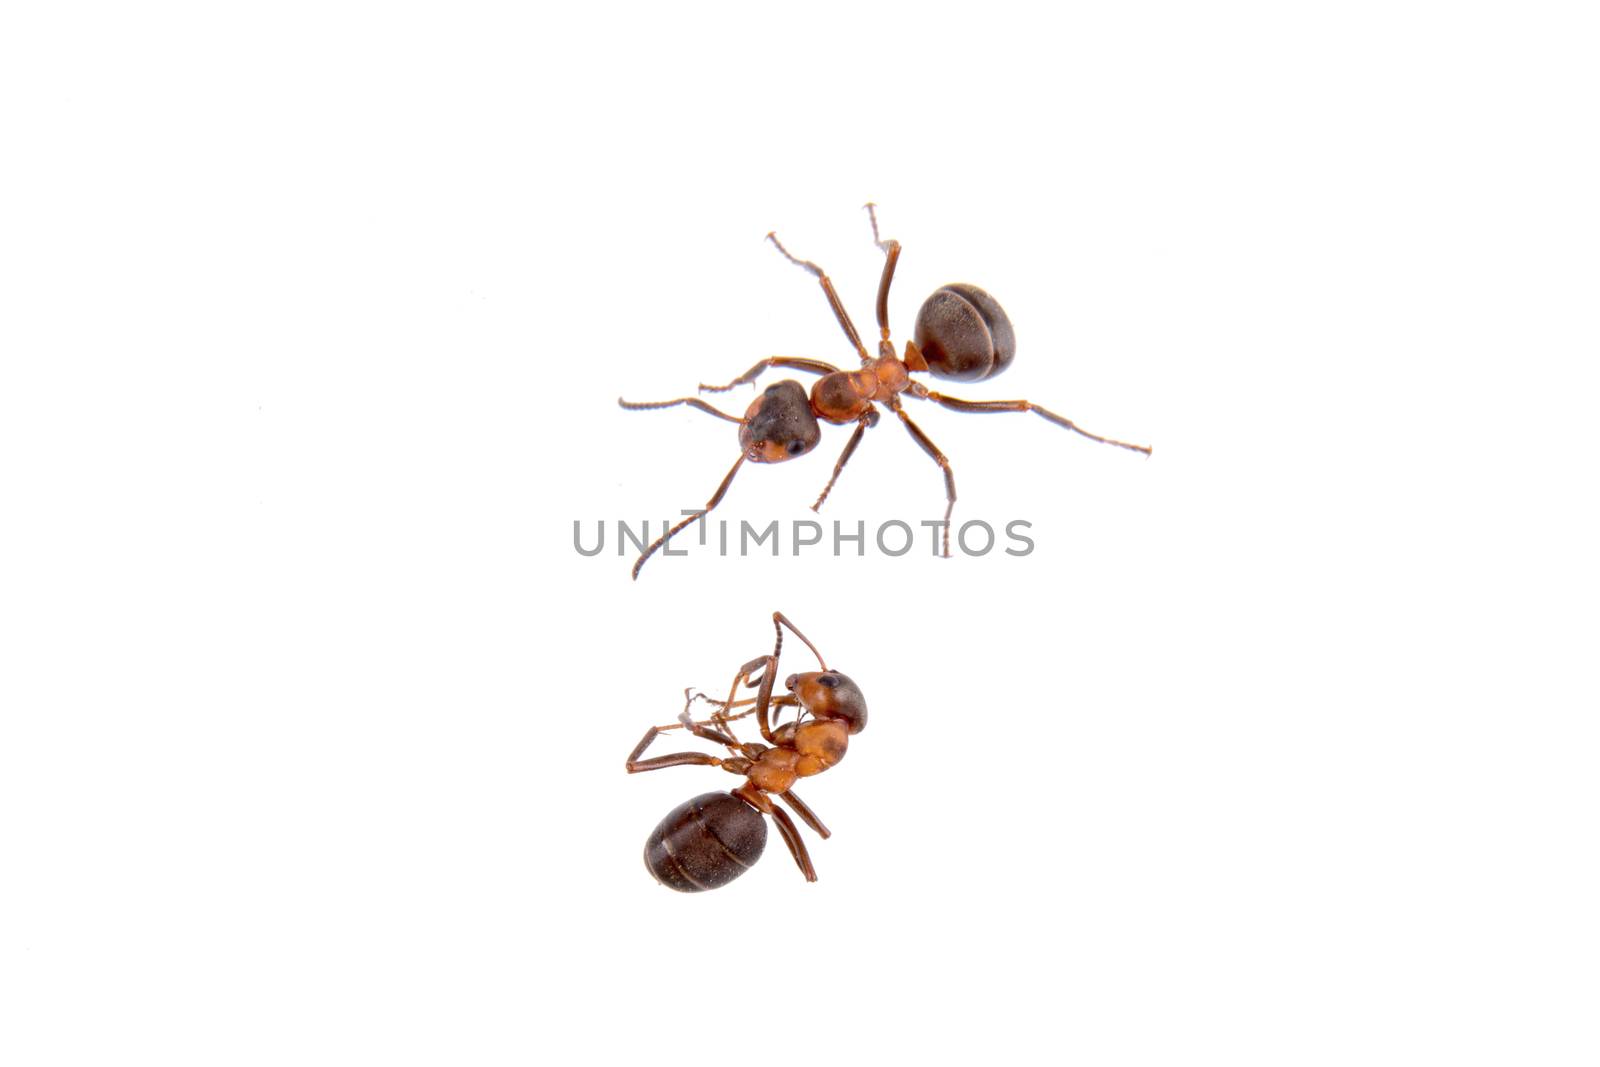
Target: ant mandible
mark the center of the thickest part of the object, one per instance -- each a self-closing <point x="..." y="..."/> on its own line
<point x="962" y="333"/>
<point x="710" y="840"/>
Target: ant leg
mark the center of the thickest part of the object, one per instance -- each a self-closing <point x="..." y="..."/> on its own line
<point x="716" y="498"/>
<point x="708" y="731"/>
<point x="983" y="406"/>
<point x="720" y="719"/>
<point x="722" y="707"/>
<point x="676" y="759"/>
<point x="891" y="250"/>
<point x="815" y="366"/>
<point x="791" y="837"/>
<point x="694" y="402"/>
<point x="869" y="419"/>
<point x="763" y="697"/>
<point x="791" y="833"/>
<point x="839" y="312"/>
<point x="944" y="464"/>
<point x="807" y="816"/>
<point x="783" y="700"/>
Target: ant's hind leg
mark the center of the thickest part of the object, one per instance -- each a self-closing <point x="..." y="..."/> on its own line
<point x="786" y="827"/>
<point x="807" y="816"/>
<point x="989" y="406"/>
<point x="791" y="837"/>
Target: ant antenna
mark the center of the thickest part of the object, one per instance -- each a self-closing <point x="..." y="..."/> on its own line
<point x="778" y="622"/>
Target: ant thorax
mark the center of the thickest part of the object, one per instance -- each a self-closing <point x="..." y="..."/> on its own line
<point x="821" y="744"/>
<point x="804" y="749"/>
<point x="845" y="396"/>
<point x="892" y="373"/>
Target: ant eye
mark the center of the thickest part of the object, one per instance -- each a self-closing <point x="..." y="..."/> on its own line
<point x="796" y="447"/>
<point x="828" y="680"/>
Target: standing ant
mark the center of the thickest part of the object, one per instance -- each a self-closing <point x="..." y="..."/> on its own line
<point x="712" y="839"/>
<point x="962" y="333"/>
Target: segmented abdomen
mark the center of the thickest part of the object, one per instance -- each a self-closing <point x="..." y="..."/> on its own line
<point x="705" y="843"/>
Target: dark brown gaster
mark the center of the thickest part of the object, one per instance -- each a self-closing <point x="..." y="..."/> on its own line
<point x="962" y="333"/>
<point x="965" y="334"/>
<point x="705" y="843"/>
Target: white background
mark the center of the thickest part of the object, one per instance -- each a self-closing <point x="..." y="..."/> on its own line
<point x="1280" y="748"/>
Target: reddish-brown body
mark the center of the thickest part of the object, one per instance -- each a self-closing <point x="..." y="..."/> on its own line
<point x="709" y="841"/>
<point x="845" y="396"/>
<point x="803" y="751"/>
<point x="962" y="333"/>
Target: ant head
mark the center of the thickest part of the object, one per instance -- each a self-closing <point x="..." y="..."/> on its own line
<point x="964" y="334"/>
<point x="779" y="425"/>
<point x="830" y="695"/>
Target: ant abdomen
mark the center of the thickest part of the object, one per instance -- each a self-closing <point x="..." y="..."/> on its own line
<point x="705" y="843"/>
<point x="964" y="333"/>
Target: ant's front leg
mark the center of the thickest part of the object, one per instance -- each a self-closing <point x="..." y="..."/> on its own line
<point x="716" y="498"/>
<point x="814" y="366"/>
<point x="720" y="717"/>
<point x="769" y="666"/>
<point x="710" y="733"/>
